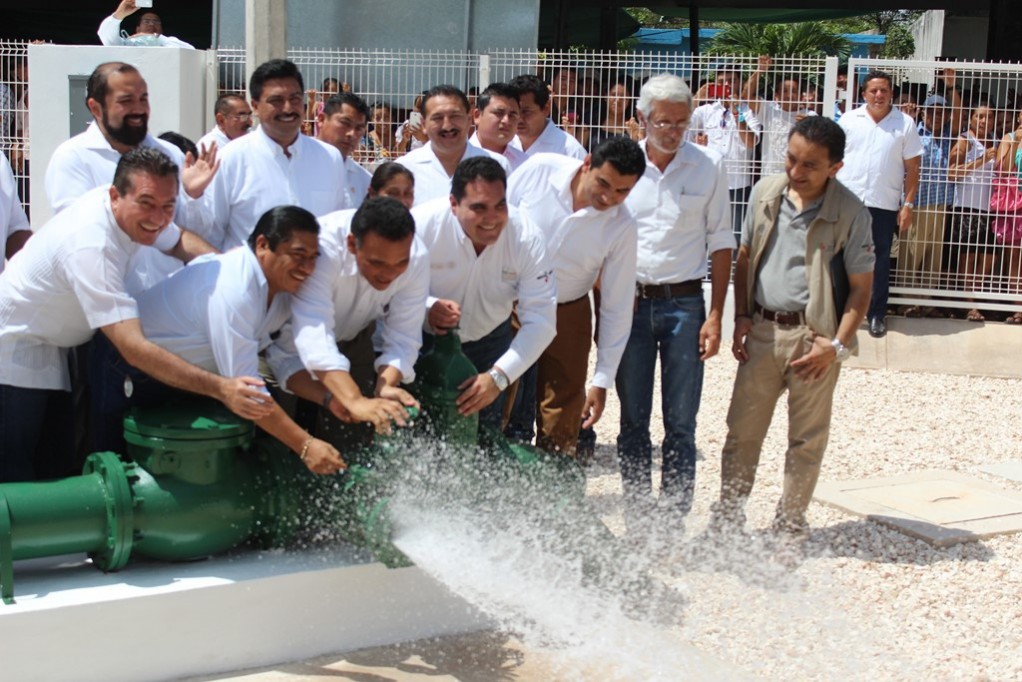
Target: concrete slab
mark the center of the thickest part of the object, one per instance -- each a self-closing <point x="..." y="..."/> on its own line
<point x="159" y="621"/>
<point x="940" y="507"/>
<point x="1011" y="470"/>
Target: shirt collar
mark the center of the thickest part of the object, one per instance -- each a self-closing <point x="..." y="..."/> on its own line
<point x="562" y="179"/>
<point x="682" y="157"/>
<point x="275" y="148"/>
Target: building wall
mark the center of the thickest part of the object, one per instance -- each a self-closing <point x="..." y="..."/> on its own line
<point x="965" y="38"/>
<point x="397" y="24"/>
<point x="928" y="34"/>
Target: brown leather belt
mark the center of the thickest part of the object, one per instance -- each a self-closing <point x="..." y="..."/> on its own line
<point x="692" y="286"/>
<point x="782" y="318"/>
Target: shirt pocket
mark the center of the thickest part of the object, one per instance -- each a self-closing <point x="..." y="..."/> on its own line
<point x="691" y="207"/>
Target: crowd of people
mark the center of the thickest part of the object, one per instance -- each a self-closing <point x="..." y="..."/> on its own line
<point x="295" y="262"/>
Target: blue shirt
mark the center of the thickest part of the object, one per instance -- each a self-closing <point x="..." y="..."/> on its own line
<point x="934" y="189"/>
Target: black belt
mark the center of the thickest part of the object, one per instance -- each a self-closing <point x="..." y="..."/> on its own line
<point x="782" y="318"/>
<point x="692" y="286"/>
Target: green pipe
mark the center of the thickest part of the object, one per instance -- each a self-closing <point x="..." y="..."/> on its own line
<point x="198" y="486"/>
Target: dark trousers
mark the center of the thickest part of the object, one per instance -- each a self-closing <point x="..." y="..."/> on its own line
<point x="36" y="435"/>
<point x="885" y="223"/>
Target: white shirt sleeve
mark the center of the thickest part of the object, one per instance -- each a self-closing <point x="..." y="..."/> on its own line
<point x="110" y="31"/>
<point x="401" y="327"/>
<point x="537" y="306"/>
<point x="617" y="297"/>
<point x="232" y="337"/>
<point x="314" y="316"/>
<point x="99" y="286"/>
<point x="718" y="214"/>
<point x="66" y="179"/>
<point x="12" y="215"/>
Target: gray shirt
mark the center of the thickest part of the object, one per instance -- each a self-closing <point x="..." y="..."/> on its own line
<point x="781" y="283"/>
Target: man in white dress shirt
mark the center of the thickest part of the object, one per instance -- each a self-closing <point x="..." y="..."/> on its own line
<point x="342" y="123"/>
<point x="373" y="273"/>
<point x="233" y="119"/>
<point x="681" y="205"/>
<point x="882" y="158"/>
<point x="218" y="314"/>
<point x="148" y="31"/>
<point x="496" y="117"/>
<point x="777" y="116"/>
<point x="537" y="134"/>
<point x="68" y="282"/>
<point x="274" y="165"/>
<point x="14" y="227"/>
<point x="445" y="112"/>
<point x="484" y="257"/>
<point x="118" y="99"/>
<point x="578" y="206"/>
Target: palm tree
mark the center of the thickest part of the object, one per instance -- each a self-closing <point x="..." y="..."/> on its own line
<point x="801" y="39"/>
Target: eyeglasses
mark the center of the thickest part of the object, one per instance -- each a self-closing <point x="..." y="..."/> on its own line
<point x="664" y="125"/>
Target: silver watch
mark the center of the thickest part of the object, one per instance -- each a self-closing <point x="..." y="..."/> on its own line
<point x="843" y="353"/>
<point x="498" y="378"/>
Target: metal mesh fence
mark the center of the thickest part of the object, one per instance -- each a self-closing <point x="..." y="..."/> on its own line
<point x="14" y="111"/>
<point x="960" y="253"/>
<point x="965" y="245"/>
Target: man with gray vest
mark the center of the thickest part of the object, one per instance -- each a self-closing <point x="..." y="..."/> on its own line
<point x="796" y="314"/>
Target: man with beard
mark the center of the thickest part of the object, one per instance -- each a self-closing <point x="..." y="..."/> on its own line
<point x="496" y="120"/>
<point x="118" y="99"/>
<point x="274" y="165"/>
<point x="233" y="119"/>
<point x="445" y="111"/>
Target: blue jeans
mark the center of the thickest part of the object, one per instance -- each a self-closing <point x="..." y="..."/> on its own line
<point x="37" y="435"/>
<point x="884" y="225"/>
<point x="484" y="353"/>
<point x="670" y="327"/>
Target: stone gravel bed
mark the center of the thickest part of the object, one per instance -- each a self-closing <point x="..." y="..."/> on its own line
<point x="864" y="601"/>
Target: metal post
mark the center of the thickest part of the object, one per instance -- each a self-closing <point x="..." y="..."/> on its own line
<point x="693" y="30"/>
<point x="830" y="93"/>
<point x="265" y="32"/>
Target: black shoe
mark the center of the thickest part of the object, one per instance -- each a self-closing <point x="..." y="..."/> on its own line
<point x="877" y="328"/>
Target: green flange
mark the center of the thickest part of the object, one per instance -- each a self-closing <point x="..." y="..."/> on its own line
<point x="120" y="512"/>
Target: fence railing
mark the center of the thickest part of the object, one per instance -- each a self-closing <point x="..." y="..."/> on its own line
<point x="14" y="111"/>
<point x="950" y="259"/>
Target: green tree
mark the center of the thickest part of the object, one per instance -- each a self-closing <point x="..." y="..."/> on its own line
<point x="805" y="38"/>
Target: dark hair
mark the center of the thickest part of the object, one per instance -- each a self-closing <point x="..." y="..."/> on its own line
<point x="96" y="87"/>
<point x="223" y="103"/>
<point x="527" y="83"/>
<point x="275" y="68"/>
<point x="873" y="75"/>
<point x="623" y="153"/>
<point x="824" y="132"/>
<point x="495" y="90"/>
<point x="387" y="170"/>
<point x="279" y="223"/>
<point x="444" y="91"/>
<point x="142" y="160"/>
<point x="384" y="216"/>
<point x="334" y="103"/>
<point x="328" y="80"/>
<point x="476" y="168"/>
<point x="181" y="142"/>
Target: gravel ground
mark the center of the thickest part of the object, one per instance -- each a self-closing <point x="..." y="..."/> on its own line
<point x="865" y="602"/>
<point x="862" y="601"/>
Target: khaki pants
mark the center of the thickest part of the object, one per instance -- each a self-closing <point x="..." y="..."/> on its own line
<point x="758" y="385"/>
<point x="561" y="378"/>
<point x="923" y="246"/>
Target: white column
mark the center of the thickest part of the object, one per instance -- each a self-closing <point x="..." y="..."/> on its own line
<point x="265" y="32"/>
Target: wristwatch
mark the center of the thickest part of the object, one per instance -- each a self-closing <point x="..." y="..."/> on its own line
<point x="499" y="378"/>
<point x="907" y="204"/>
<point x="843" y="353"/>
